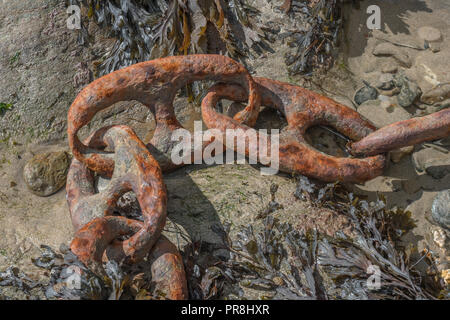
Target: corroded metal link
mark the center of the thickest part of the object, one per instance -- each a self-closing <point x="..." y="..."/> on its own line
<point x="154" y="84"/>
<point x="404" y="133"/>
<point x="302" y="109"/>
<point x="97" y="230"/>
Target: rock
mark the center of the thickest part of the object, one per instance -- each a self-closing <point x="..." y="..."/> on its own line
<point x="389" y="67"/>
<point x="437" y="94"/>
<point x="365" y="93"/>
<point x="429" y="34"/>
<point x="409" y="91"/>
<point x="439" y="237"/>
<point x="427" y="157"/>
<point x="391" y="93"/>
<point x="385" y="82"/>
<point x="399" y="154"/>
<point x="440" y="209"/>
<point x="380" y="116"/>
<point x="437" y="168"/>
<point x="435" y="47"/>
<point x="46" y="173"/>
<point x="388" y="49"/>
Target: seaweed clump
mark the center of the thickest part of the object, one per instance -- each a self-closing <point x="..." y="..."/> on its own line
<point x="149" y="29"/>
<point x="285" y="263"/>
<point x="313" y="45"/>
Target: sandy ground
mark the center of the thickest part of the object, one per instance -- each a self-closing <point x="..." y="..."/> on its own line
<point x="202" y="196"/>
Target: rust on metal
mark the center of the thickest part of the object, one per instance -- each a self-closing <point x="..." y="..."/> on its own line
<point x="154" y="84"/>
<point x="97" y="229"/>
<point x="117" y="153"/>
<point x="404" y="133"/>
<point x="302" y="109"/>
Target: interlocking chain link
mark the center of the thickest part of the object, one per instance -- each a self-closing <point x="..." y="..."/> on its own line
<point x="133" y="166"/>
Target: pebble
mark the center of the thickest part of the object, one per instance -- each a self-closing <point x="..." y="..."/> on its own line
<point x="365" y="93"/>
<point x="428" y="157"/>
<point x="391" y="93"/>
<point x="435" y="47"/>
<point x="438" y="94"/>
<point x="388" y="49"/>
<point x="46" y="173"/>
<point x="399" y="154"/>
<point x="385" y="82"/>
<point x="440" y="209"/>
<point x="439" y="237"/>
<point x="409" y="91"/>
<point x="389" y="67"/>
<point x="429" y="34"/>
<point x="437" y="168"/>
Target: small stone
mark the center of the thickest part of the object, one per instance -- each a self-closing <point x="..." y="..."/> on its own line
<point x="388" y="49"/>
<point x="439" y="237"/>
<point x="391" y="93"/>
<point x="409" y="91"/>
<point x="385" y="82"/>
<point x="389" y="67"/>
<point x="438" y="94"/>
<point x="437" y="168"/>
<point x="429" y="34"/>
<point x="365" y="93"/>
<point x="440" y="209"/>
<point x="435" y="47"/>
<point x="399" y="154"/>
<point x="428" y="157"/>
<point x="46" y="173"/>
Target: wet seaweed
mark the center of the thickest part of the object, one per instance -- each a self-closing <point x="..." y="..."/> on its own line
<point x="291" y="264"/>
<point x="149" y="29"/>
<point x="314" y="45"/>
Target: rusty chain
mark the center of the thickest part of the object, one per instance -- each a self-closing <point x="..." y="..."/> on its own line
<point x="116" y="152"/>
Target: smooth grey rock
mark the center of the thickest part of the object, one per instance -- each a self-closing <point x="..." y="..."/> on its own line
<point x="409" y="91"/>
<point x="437" y="168"/>
<point x="365" y="93"/>
<point x="385" y="82"/>
<point x="46" y="173"/>
<point x="440" y="209"/>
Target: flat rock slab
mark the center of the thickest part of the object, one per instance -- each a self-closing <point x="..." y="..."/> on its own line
<point x="429" y="34"/>
<point x="381" y="115"/>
